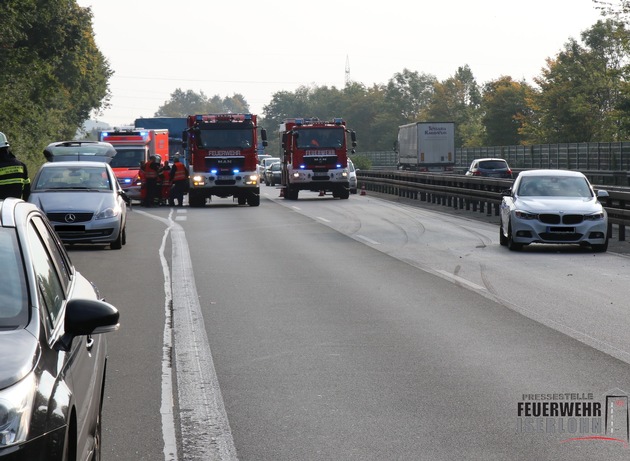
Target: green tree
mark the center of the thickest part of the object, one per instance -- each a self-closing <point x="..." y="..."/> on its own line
<point x="503" y="106"/>
<point x="52" y="75"/>
<point x="183" y="103"/>
<point x="583" y="91"/>
<point x="409" y="94"/>
<point x="457" y="99"/>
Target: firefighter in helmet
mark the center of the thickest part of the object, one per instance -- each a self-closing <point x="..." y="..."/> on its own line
<point x="14" y="180"/>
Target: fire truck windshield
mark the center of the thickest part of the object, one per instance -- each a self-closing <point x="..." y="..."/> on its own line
<point x="128" y="157"/>
<point x="320" y="138"/>
<point x="221" y="139"/>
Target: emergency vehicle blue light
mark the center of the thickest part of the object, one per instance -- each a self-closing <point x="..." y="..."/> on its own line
<point x="236" y="170"/>
<point x="302" y="167"/>
<point x="214" y="171"/>
<point x="104" y="134"/>
<point x="127" y="180"/>
<point x="299" y="121"/>
<point x="338" y="121"/>
<point x="199" y="118"/>
<point x="338" y="165"/>
<point x="248" y="116"/>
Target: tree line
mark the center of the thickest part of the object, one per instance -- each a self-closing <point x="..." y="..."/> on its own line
<point x="581" y="95"/>
<point x="53" y="77"/>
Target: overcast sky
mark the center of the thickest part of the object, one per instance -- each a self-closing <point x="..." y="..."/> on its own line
<point x="257" y="48"/>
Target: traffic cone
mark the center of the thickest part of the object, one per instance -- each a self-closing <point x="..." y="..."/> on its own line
<point x="363" y="189"/>
<point x="321" y="193"/>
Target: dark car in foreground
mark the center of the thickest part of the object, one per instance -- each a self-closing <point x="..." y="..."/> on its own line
<point x="490" y="167"/>
<point x="52" y="371"/>
<point x="83" y="200"/>
<point x="553" y="206"/>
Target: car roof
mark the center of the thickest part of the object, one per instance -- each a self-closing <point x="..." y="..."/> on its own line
<point x="75" y="163"/>
<point x="567" y="173"/>
<point x="7" y="210"/>
<point x="489" y="158"/>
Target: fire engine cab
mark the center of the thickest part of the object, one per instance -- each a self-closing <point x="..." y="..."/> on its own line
<point x="314" y="156"/>
<point x="221" y="150"/>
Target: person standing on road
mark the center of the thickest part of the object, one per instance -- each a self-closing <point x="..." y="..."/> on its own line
<point x="151" y="171"/>
<point x="14" y="180"/>
<point x="179" y="180"/>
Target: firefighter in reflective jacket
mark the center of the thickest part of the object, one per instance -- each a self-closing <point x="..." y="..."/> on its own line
<point x="179" y="179"/>
<point x="151" y="171"/>
<point x="14" y="180"/>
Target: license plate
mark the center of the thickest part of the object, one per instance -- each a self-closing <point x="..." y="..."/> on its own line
<point x="561" y="230"/>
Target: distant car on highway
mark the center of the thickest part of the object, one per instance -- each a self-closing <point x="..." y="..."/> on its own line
<point x="352" y="177"/>
<point x="260" y="168"/>
<point x="52" y="373"/>
<point x="266" y="163"/>
<point x="553" y="206"/>
<point x="273" y="174"/>
<point x="490" y="167"/>
<point x="83" y="201"/>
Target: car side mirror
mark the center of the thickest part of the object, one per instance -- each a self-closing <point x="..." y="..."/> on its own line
<point x="125" y="197"/>
<point x="602" y="194"/>
<point x="506" y="192"/>
<point x="87" y="317"/>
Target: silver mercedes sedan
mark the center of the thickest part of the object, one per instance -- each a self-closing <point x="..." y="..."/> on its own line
<point x="553" y="206"/>
<point x="83" y="201"/>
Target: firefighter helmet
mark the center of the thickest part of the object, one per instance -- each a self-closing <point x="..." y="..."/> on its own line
<point x="3" y="140"/>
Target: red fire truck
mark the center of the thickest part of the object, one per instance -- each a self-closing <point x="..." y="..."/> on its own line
<point x="134" y="147"/>
<point x="314" y="156"/>
<point x="221" y="150"/>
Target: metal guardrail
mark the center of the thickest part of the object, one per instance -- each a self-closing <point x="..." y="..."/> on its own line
<point x="474" y="193"/>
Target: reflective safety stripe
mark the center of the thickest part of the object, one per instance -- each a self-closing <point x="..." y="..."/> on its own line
<point x="180" y="172"/>
<point x="12" y="169"/>
<point x="12" y="174"/>
<point x="150" y="173"/>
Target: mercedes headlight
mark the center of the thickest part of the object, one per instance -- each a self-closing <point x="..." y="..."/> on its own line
<point x="15" y="411"/>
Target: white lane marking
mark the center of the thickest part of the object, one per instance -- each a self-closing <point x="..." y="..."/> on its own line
<point x="296" y="208"/>
<point x="367" y="239"/>
<point x="322" y="219"/>
<point x="460" y="280"/>
<point x="205" y="429"/>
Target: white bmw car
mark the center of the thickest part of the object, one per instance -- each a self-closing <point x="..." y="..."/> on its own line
<point x="553" y="206"/>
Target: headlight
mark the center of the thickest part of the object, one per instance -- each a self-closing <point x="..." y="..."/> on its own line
<point x="525" y="215"/>
<point x="16" y="404"/>
<point x="108" y="213"/>
<point x="296" y="175"/>
<point x="344" y="174"/>
<point x="594" y="217"/>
